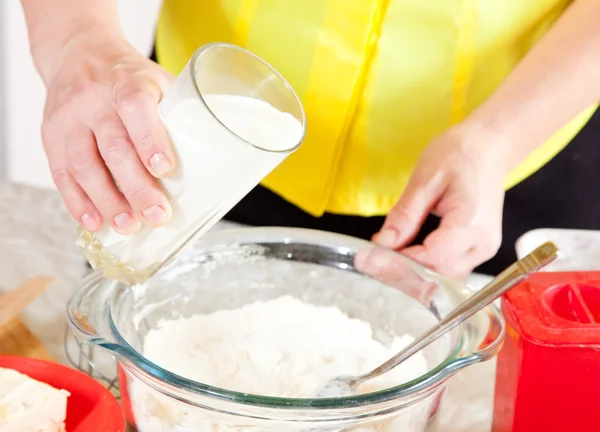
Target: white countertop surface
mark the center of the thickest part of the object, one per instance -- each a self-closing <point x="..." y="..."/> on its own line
<point x="37" y="238"/>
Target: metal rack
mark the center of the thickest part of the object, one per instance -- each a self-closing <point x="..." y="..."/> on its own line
<point x="92" y="361"/>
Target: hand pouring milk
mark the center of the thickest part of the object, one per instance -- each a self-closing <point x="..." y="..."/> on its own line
<point x="225" y="144"/>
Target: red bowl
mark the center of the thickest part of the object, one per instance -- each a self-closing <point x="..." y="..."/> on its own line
<point x="90" y="408"/>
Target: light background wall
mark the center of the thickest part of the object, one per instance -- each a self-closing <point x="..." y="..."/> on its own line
<point x="22" y="94"/>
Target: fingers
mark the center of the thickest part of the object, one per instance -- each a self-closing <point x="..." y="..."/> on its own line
<point x="456" y="248"/>
<point x="137" y="106"/>
<point x="89" y="171"/>
<point x="391" y="268"/>
<point x="404" y="221"/>
<point x="140" y="190"/>
<point x="444" y="251"/>
<point x="76" y="200"/>
<point x="85" y="168"/>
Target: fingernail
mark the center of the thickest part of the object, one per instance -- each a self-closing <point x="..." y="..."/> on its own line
<point x="387" y="238"/>
<point x="159" y="162"/>
<point x="126" y="223"/>
<point x="89" y="222"/>
<point x="155" y="216"/>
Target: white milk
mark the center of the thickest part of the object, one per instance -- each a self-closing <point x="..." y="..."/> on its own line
<point x="216" y="169"/>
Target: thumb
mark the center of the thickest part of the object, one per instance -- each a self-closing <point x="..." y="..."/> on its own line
<point x="405" y="219"/>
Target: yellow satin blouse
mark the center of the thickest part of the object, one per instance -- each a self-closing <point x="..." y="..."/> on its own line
<point x="378" y="79"/>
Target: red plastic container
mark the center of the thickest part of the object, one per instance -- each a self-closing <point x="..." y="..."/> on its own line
<point x="548" y="375"/>
<point x="90" y="408"/>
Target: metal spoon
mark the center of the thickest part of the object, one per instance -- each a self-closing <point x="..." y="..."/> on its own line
<point x="515" y="273"/>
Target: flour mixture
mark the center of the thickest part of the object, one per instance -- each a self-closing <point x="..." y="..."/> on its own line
<point x="283" y="347"/>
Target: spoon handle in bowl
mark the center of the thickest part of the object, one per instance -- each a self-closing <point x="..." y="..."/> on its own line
<point x="515" y="273"/>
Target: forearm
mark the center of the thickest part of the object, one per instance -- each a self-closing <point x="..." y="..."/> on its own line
<point x="557" y="80"/>
<point x="52" y="25"/>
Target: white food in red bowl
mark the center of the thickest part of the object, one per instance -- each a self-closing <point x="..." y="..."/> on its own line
<point x="42" y="396"/>
<point x="30" y="405"/>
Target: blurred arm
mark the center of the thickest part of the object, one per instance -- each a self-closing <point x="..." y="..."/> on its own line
<point x="555" y="81"/>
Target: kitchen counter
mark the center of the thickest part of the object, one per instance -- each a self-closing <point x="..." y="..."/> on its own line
<point x="37" y="238"/>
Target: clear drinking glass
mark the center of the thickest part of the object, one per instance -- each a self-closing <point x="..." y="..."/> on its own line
<point x="231" y="119"/>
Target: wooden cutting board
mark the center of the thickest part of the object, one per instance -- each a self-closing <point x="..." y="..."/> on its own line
<point x="15" y="337"/>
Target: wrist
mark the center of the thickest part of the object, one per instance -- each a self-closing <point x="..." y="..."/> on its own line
<point x="487" y="146"/>
<point x="49" y="52"/>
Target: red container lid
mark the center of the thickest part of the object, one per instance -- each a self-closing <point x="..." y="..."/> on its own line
<point x="558" y="308"/>
<point x="90" y="408"/>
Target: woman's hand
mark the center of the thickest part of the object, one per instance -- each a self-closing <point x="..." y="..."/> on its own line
<point x="103" y="136"/>
<point x="460" y="175"/>
<point x="459" y="178"/>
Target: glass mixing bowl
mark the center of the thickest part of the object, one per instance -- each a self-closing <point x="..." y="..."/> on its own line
<point x="229" y="269"/>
